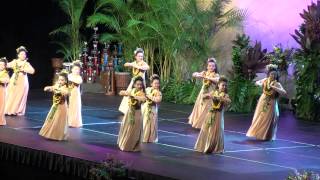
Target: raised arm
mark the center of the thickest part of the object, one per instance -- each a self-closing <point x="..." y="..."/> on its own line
<point x="11" y="64"/>
<point x="213" y="79"/>
<point x="124" y="93"/>
<point x="157" y="98"/>
<point x="144" y="66"/>
<point x="226" y="99"/>
<point x="198" y="74"/>
<point x="75" y="79"/>
<point x="260" y="82"/>
<point x="278" y="87"/>
<point x="48" y="88"/>
<point x="28" y="68"/>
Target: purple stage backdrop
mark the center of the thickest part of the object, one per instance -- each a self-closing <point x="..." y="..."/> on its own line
<point x="272" y="21"/>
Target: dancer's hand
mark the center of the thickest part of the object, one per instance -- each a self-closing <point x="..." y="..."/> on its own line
<point x="123" y="93"/>
<point x="140" y="98"/>
<point x="127" y="64"/>
<point x="47" y="88"/>
<point x="197" y="75"/>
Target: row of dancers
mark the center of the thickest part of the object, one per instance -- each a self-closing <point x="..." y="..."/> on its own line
<point x="207" y="114"/>
<point x="14" y="92"/>
<point x="140" y="105"/>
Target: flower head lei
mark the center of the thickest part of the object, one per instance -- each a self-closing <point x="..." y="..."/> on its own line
<point x="271" y="67"/>
<point x="138" y="50"/>
<point x="77" y="63"/>
<point x="21" y="48"/>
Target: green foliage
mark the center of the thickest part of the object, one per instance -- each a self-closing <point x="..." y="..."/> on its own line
<point x="175" y="34"/>
<point x="185" y="92"/>
<point x="243" y="94"/>
<point x="68" y="36"/>
<point x="281" y="57"/>
<point x="305" y="175"/>
<point x="247" y="61"/>
<point x="109" y="169"/>
<point x="308" y="65"/>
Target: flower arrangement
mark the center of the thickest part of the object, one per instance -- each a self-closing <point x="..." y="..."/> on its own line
<point x="305" y="175"/>
<point x="108" y="169"/>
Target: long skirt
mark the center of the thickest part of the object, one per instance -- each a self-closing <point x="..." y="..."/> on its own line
<point x="56" y="125"/>
<point x="265" y="119"/>
<point x="211" y="136"/>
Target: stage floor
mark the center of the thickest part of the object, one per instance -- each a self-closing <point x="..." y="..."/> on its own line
<point x="297" y="146"/>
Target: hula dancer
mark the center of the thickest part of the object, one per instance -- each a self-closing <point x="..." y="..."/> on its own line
<point x="18" y="87"/>
<point x="139" y="68"/>
<point x="150" y="111"/>
<point x="131" y="126"/>
<point x="209" y="78"/>
<point x="266" y="116"/>
<point x="4" y="80"/>
<point x="55" y="126"/>
<point x="211" y="137"/>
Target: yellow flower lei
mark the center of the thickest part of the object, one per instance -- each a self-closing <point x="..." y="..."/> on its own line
<point x="3" y="73"/>
<point x="216" y="105"/>
<point x="153" y="92"/>
<point x="135" y="92"/>
<point x="132" y="103"/>
<point x="16" y="70"/>
<point x="136" y="71"/>
<point x="207" y="82"/>
<point x="267" y="90"/>
<point x="57" y="99"/>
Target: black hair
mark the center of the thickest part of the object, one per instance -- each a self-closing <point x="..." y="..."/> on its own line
<point x="65" y="76"/>
<point x="222" y="79"/>
<point x="139" y="78"/>
<point x="138" y="50"/>
<point x="274" y="71"/>
<point x="154" y="77"/>
<point x="76" y="65"/>
<point x="21" y="49"/>
<point x="4" y="60"/>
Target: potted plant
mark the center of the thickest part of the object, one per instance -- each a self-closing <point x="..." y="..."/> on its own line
<point x="108" y="169"/>
<point x="305" y="175"/>
<point x="122" y="77"/>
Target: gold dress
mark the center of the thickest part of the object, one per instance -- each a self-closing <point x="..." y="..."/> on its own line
<point x="135" y="73"/>
<point x="202" y="105"/>
<point x="74" y="107"/>
<point x="266" y="115"/>
<point x="55" y="126"/>
<point x="211" y="136"/>
<point x="18" y="87"/>
<point x="150" y="115"/>
<point x="131" y="126"/>
<point x="4" y="79"/>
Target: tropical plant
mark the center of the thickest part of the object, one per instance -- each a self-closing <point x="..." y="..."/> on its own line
<point x="174" y="34"/>
<point x="281" y="57"/>
<point x="109" y="169"/>
<point x="68" y="36"/>
<point x="307" y="61"/>
<point x="247" y="61"/>
<point x="305" y="175"/>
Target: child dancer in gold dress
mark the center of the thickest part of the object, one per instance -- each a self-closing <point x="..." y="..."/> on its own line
<point x="55" y="126"/>
<point x="211" y="137"/>
<point x="131" y="126"/>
